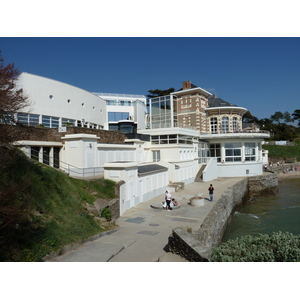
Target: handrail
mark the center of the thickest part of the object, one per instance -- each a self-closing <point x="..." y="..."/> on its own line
<point x="67" y="168"/>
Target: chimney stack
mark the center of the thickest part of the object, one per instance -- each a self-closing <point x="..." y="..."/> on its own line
<point x="186" y="85"/>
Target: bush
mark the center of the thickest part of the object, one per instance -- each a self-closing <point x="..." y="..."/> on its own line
<point x="106" y="213"/>
<point x="278" y="247"/>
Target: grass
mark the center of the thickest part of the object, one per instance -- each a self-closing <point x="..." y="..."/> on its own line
<point x="283" y="152"/>
<point x="42" y="209"/>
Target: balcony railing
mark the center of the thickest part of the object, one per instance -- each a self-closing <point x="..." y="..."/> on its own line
<point x="262" y="133"/>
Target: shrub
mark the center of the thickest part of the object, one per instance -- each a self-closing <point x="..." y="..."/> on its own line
<point x="106" y="213"/>
<point x="278" y="247"/>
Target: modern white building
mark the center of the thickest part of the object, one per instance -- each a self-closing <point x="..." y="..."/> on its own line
<point x="57" y="104"/>
<point x="188" y="135"/>
<point x="126" y="113"/>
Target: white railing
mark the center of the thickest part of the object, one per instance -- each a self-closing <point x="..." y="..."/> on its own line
<point x="71" y="170"/>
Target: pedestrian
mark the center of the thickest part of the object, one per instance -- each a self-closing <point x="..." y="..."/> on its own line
<point x="168" y="200"/>
<point x="211" y="192"/>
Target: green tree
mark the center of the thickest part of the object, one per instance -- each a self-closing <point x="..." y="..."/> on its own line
<point x="158" y="93"/>
<point x="277" y="117"/>
<point x="296" y="115"/>
<point x="287" y="117"/>
<point x="249" y="118"/>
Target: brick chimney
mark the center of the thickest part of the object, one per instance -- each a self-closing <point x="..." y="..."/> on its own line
<point x="186" y="85"/>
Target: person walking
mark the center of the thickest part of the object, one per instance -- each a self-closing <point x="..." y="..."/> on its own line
<point x="211" y="192"/>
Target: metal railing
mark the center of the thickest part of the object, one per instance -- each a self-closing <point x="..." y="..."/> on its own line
<point x="69" y="169"/>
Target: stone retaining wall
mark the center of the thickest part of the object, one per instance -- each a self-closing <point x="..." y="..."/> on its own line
<point x="196" y="246"/>
<point x="263" y="185"/>
<point x="22" y="132"/>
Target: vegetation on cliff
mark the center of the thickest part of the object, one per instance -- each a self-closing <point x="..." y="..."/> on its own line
<point x="42" y="209"/>
<point x="287" y="153"/>
<point x="278" y="247"/>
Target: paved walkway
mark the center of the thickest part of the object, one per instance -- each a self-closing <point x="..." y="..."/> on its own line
<point x="144" y="231"/>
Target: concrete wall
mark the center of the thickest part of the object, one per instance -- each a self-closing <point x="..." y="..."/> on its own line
<point x="135" y="189"/>
<point x="240" y="169"/>
<point x="211" y="170"/>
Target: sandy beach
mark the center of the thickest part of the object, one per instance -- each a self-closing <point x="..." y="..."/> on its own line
<point x="290" y="174"/>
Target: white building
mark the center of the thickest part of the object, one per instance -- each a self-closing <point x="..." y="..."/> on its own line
<point x="57" y="104"/>
<point x="126" y="113"/>
<point x="190" y="135"/>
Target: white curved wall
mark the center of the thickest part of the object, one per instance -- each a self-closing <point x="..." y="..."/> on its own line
<point x="53" y="98"/>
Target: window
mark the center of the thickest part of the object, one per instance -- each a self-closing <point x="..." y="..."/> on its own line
<point x="50" y="122"/>
<point x="68" y="122"/>
<point x="234" y="124"/>
<point x="33" y="120"/>
<point x="215" y="151"/>
<point x="213" y="125"/>
<point x="225" y="124"/>
<point x="111" y="102"/>
<point x="22" y="118"/>
<point x="117" y="116"/>
<point x="233" y="152"/>
<point x="250" y="153"/>
<point x="156" y="155"/>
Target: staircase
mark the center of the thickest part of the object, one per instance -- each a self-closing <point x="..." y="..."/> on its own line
<point x="199" y="176"/>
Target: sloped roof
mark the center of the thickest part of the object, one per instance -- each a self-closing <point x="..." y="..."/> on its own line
<point x="218" y="102"/>
<point x="147" y="169"/>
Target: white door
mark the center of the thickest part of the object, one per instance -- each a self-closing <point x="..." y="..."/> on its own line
<point x="141" y="190"/>
<point x="131" y="193"/>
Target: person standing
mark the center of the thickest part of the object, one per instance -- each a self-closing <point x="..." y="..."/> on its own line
<point x="168" y="200"/>
<point x="211" y="192"/>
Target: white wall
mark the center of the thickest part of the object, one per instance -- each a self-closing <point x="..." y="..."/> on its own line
<point x="211" y="170"/>
<point x="67" y="102"/>
<point x="240" y="170"/>
<point x="136" y="189"/>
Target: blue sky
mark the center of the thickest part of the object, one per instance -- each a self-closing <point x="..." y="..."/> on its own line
<point x="261" y="74"/>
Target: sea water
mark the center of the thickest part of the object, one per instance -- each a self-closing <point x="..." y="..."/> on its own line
<point x="280" y="212"/>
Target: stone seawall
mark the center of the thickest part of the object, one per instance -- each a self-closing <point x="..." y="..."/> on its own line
<point x="263" y="185"/>
<point x="196" y="246"/>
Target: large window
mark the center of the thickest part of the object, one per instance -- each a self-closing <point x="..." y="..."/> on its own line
<point x="250" y="154"/>
<point x="213" y="125"/>
<point x="50" y="122"/>
<point x="29" y="119"/>
<point x="68" y="122"/>
<point x="233" y="152"/>
<point x="215" y="151"/>
<point x="225" y="124"/>
<point x="118" y="116"/>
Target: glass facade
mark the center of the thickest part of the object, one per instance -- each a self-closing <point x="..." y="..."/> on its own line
<point x="161" y="114"/>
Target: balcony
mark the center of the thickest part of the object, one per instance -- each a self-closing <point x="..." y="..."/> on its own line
<point x="262" y="134"/>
